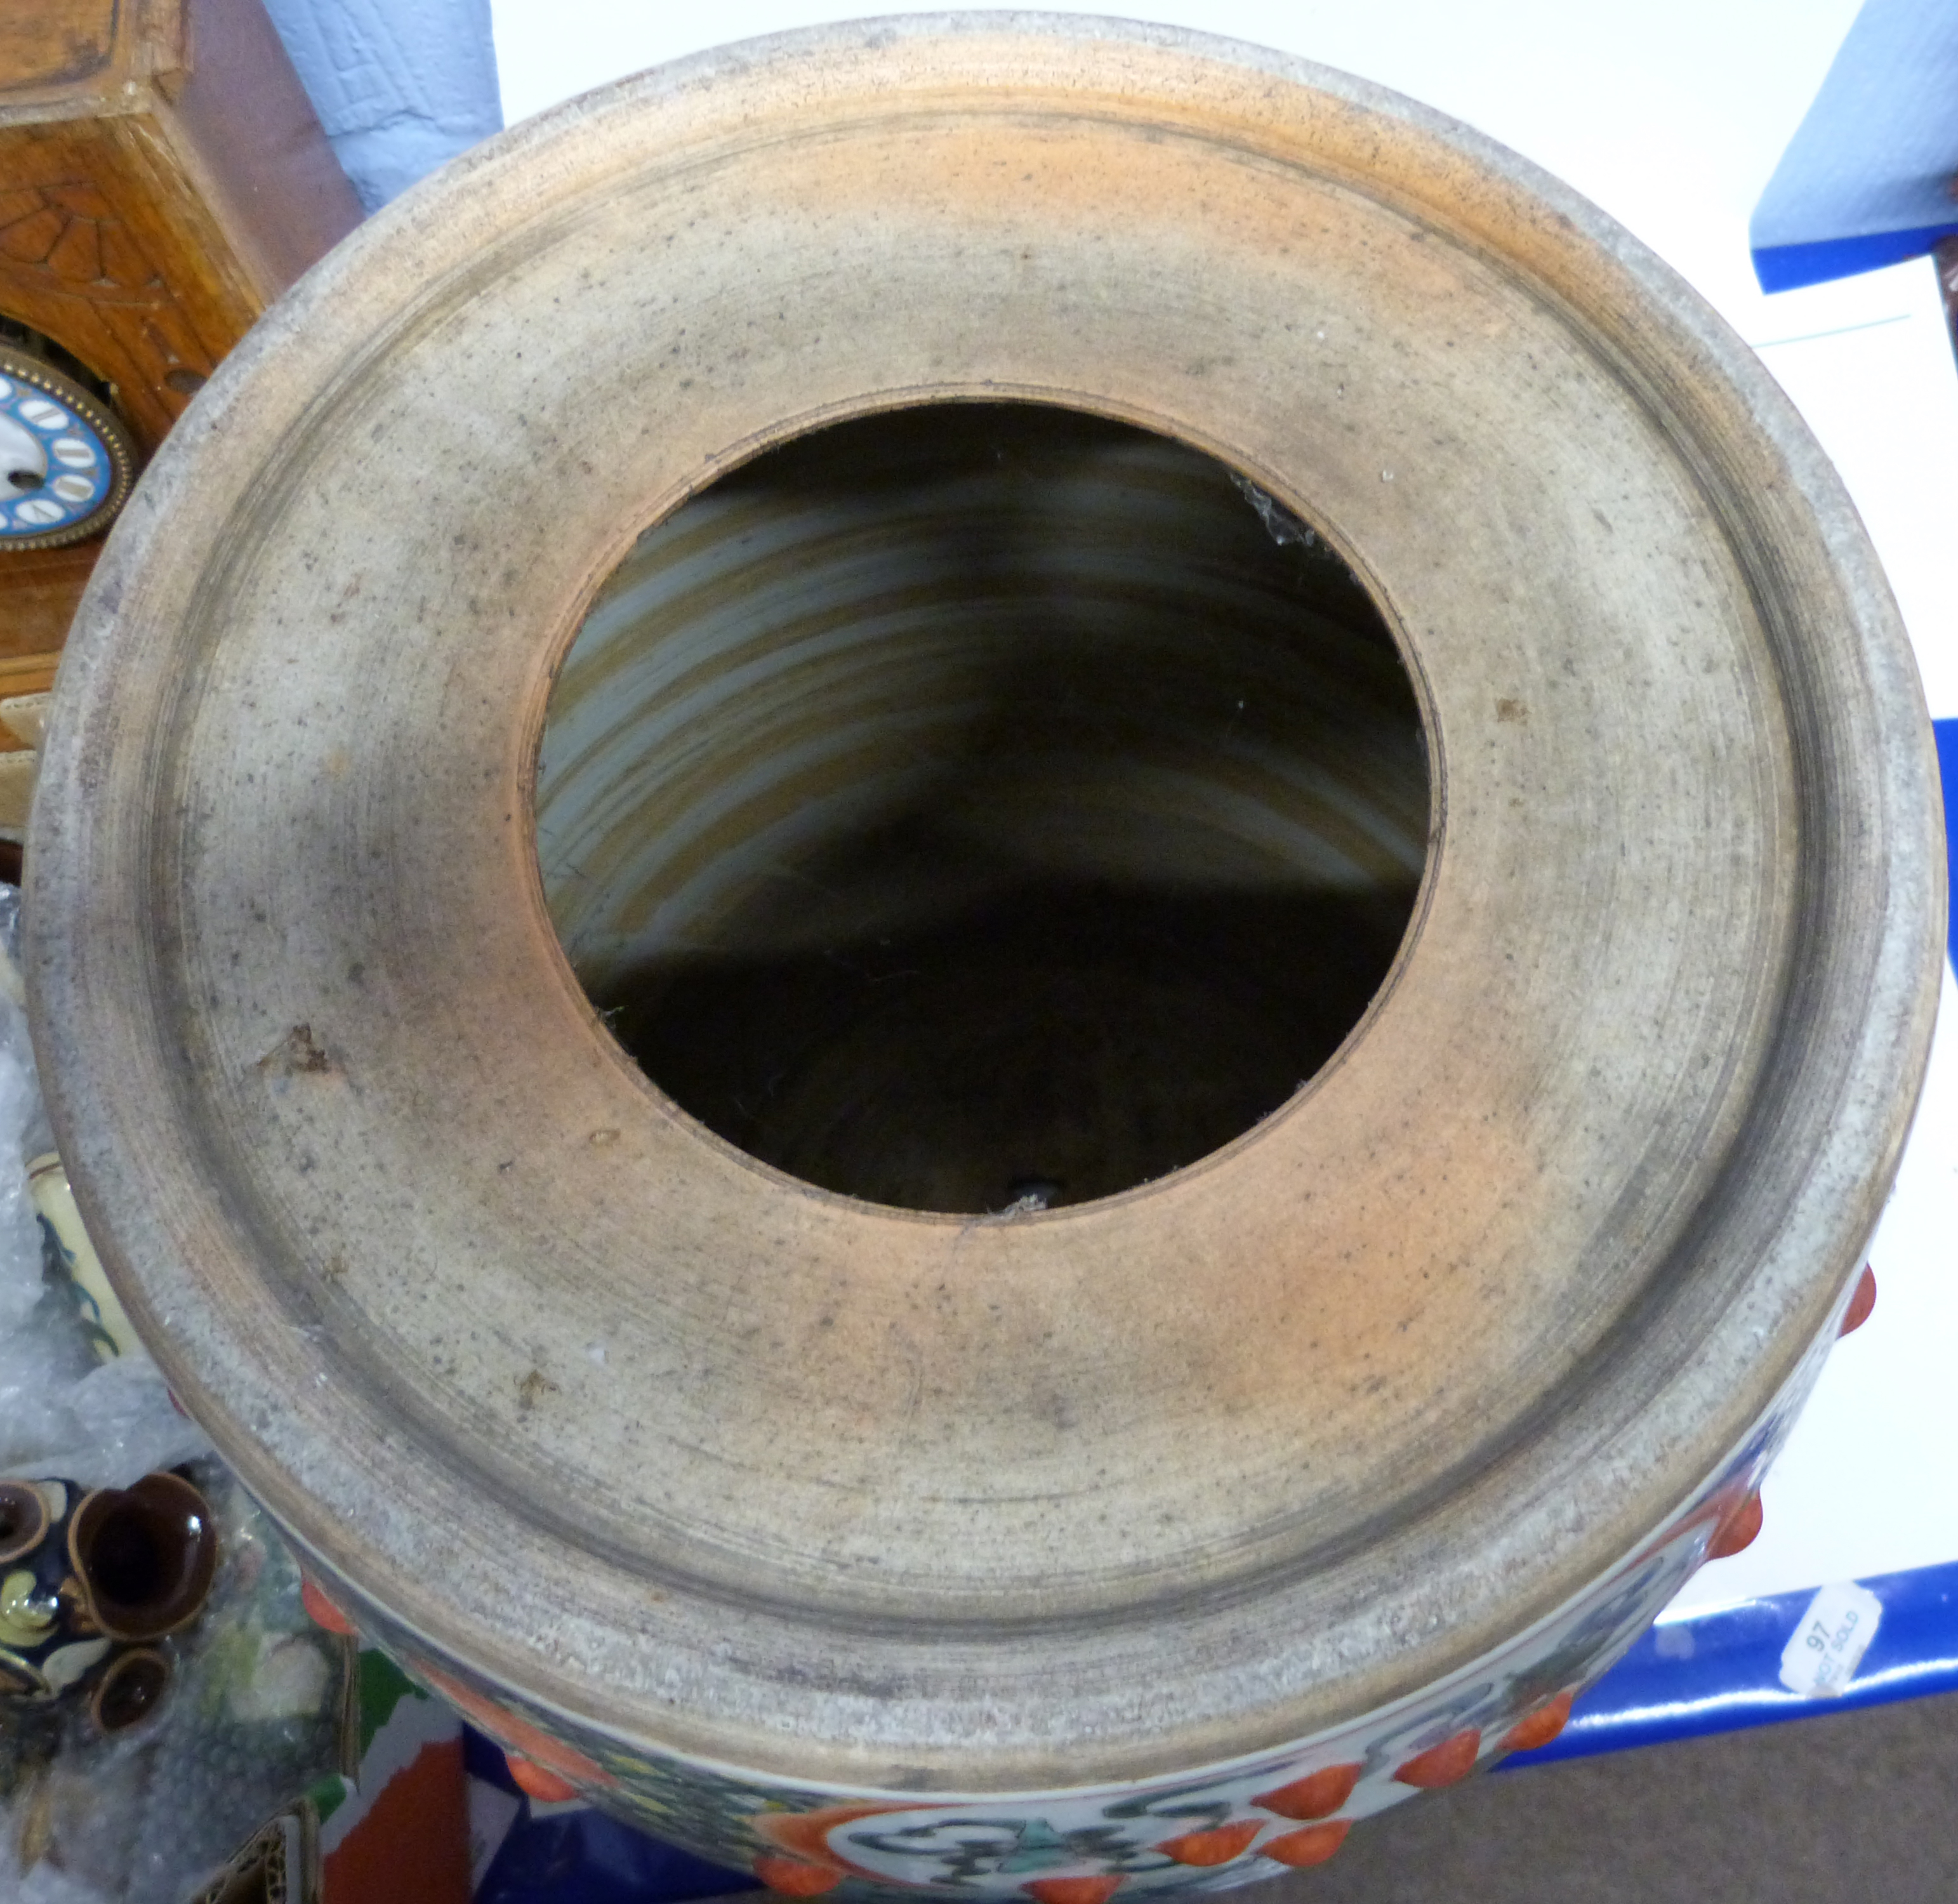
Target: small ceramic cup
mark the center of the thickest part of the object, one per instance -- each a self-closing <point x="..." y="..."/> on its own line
<point x="89" y="1579"/>
<point x="130" y="1689"/>
<point x="144" y="1557"/>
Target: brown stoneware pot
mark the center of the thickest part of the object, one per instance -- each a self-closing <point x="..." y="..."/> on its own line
<point x="890" y="1531"/>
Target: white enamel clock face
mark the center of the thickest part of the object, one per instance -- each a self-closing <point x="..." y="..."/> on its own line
<point x="66" y="462"/>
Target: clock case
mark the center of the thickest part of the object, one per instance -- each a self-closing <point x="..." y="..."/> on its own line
<point x="163" y="178"/>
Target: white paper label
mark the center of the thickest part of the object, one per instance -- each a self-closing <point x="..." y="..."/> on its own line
<point x="1829" y="1640"/>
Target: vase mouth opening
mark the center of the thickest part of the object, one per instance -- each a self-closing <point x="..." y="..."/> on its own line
<point x="980" y="806"/>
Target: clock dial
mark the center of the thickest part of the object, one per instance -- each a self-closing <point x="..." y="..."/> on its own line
<point x="66" y="463"/>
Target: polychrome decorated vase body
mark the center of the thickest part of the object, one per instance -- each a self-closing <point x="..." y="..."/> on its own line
<point x="1212" y="1827"/>
<point x="1152" y="546"/>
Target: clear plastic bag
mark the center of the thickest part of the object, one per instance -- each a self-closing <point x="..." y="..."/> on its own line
<point x="256" y="1700"/>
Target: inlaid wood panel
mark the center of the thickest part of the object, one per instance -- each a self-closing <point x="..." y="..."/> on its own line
<point x="56" y="53"/>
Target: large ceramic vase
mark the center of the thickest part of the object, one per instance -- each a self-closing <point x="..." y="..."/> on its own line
<point x="1144" y="1542"/>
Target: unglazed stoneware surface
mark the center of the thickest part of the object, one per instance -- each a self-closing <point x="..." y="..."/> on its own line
<point x="1072" y="1549"/>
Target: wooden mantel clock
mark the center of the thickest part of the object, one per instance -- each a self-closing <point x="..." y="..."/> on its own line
<point x="163" y="177"/>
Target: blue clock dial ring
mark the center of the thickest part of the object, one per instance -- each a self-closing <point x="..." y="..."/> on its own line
<point x="66" y="463"/>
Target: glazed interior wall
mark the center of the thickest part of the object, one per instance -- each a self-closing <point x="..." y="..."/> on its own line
<point x="979" y="802"/>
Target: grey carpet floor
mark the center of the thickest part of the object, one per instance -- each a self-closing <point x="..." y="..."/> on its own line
<point x="1851" y="1808"/>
